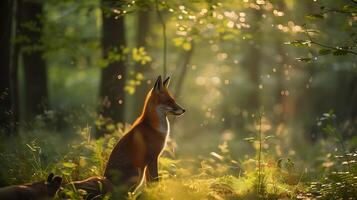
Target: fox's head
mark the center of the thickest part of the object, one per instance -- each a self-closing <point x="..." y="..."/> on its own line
<point x="160" y="99"/>
<point x="37" y="190"/>
<point x="43" y="189"/>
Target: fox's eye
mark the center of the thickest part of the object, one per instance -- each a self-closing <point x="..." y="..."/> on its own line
<point x="170" y="101"/>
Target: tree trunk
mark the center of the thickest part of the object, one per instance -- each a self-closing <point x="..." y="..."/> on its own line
<point x="143" y="28"/>
<point x="9" y="112"/>
<point x="182" y="64"/>
<point x="186" y="58"/>
<point x="5" y="43"/>
<point x="113" y="75"/>
<point x="35" y="72"/>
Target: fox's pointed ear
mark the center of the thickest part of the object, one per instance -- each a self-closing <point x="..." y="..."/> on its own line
<point x="166" y="82"/>
<point x="158" y="85"/>
<point x="49" y="178"/>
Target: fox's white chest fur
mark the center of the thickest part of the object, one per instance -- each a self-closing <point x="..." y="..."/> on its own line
<point x="164" y="124"/>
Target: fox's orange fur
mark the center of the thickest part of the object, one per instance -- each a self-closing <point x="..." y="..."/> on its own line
<point x="135" y="156"/>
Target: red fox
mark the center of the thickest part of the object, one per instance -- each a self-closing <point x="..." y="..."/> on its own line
<point x="32" y="191"/>
<point x="135" y="156"/>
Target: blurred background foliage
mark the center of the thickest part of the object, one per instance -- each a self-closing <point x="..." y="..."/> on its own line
<point x="270" y="89"/>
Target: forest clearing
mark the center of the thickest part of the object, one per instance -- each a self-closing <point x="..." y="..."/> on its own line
<point x="178" y="100"/>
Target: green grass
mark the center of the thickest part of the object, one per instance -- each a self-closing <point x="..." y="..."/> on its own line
<point x="30" y="156"/>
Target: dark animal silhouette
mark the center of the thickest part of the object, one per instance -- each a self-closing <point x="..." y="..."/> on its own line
<point x="32" y="191"/>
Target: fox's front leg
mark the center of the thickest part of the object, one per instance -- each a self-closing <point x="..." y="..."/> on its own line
<point x="152" y="173"/>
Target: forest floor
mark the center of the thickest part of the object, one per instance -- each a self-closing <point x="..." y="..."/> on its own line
<point x="31" y="156"/>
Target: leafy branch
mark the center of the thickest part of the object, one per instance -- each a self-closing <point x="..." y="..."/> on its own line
<point x="342" y="11"/>
<point x="337" y="50"/>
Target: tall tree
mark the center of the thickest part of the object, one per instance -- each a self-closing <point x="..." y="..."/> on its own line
<point x="113" y="75"/>
<point x="9" y="112"/>
<point x="5" y="60"/>
<point x="35" y="72"/>
<point x="143" y="28"/>
<point x="184" y="61"/>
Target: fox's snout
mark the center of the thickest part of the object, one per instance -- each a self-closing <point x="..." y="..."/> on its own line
<point x="178" y="110"/>
<point x="174" y="109"/>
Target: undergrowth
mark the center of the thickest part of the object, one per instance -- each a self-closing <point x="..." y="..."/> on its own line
<point x="219" y="175"/>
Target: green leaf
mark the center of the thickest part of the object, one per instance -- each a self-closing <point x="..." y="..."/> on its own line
<point x="186" y="46"/>
<point x="349" y="8"/>
<point x="216" y="155"/>
<point x="314" y="31"/>
<point x="66" y="173"/>
<point x="130" y="89"/>
<point x="140" y="55"/>
<point x="298" y="43"/>
<point x="339" y="52"/>
<point x="290" y="164"/>
<point x="307" y="60"/>
<point x="228" y="37"/>
<point x="280" y="162"/>
<point x="140" y="76"/>
<point x="247" y="36"/>
<point x="178" y="41"/>
<point x="269" y="136"/>
<point x="314" y="16"/>
<point x="324" y="51"/>
<point x="31" y="148"/>
<point x="69" y="165"/>
<point x="249" y="139"/>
